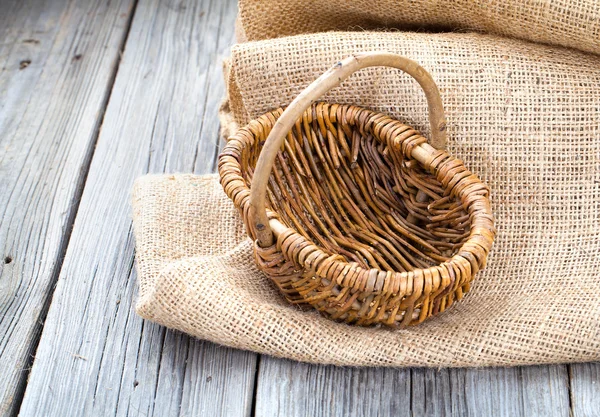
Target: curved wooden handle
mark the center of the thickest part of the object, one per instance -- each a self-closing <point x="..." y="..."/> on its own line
<point x="330" y="79"/>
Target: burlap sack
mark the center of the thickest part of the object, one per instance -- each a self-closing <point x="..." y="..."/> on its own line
<point x="571" y="23"/>
<point x="197" y="275"/>
<point x="524" y="117"/>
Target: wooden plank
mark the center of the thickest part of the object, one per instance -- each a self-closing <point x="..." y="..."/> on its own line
<point x="96" y="356"/>
<point x="57" y="65"/>
<point x="545" y="390"/>
<point x="518" y="391"/>
<point x="218" y="381"/>
<point x="290" y="388"/>
<point x="585" y="389"/>
<point x="287" y="388"/>
<point x="432" y="393"/>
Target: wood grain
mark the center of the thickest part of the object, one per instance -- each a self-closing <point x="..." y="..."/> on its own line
<point x="585" y="389"/>
<point x="57" y="65"/>
<point x="433" y="393"/>
<point x="518" y="391"/>
<point x="545" y="390"/>
<point x="96" y="356"/>
<point x="289" y="388"/>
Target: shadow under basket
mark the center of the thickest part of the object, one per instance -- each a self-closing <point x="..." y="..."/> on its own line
<point x="353" y="212"/>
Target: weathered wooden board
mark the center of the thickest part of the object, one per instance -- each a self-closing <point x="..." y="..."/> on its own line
<point x="96" y="356"/>
<point x="433" y="393"/>
<point x="289" y="388"/>
<point x="519" y="391"/>
<point x="585" y="389"/>
<point x="546" y="390"/>
<point x="57" y="65"/>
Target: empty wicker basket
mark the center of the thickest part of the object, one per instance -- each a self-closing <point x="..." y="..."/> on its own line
<point x="354" y="212"/>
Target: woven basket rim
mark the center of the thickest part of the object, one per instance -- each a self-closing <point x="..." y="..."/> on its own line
<point x="391" y="279"/>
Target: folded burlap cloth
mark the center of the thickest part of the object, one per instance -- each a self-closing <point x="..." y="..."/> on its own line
<point x="570" y="23"/>
<point x="524" y="117"/>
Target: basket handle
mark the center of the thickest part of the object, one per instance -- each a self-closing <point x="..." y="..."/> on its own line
<point x="330" y="79"/>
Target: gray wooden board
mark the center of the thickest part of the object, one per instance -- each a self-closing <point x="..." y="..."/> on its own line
<point x="96" y="356"/>
<point x="57" y="65"/>
<point x="585" y="389"/>
<point x="287" y="388"/>
<point x="545" y="390"/>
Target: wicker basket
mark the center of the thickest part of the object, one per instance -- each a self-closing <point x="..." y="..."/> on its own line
<point x="353" y="212"/>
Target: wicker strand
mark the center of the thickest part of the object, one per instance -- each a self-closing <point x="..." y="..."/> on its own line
<point x="372" y="224"/>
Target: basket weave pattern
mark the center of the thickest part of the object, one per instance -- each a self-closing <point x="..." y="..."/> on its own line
<point x="365" y="232"/>
<point x="371" y="265"/>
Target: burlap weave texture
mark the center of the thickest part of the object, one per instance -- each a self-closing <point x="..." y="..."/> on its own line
<point x="524" y="117"/>
<point x="570" y="23"/>
<point x="198" y="275"/>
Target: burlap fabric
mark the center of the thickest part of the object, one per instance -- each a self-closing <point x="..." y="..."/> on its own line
<point x="571" y="23"/>
<point x="524" y="117"/>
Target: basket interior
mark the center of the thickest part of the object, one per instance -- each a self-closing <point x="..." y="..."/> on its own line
<point x="336" y="183"/>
